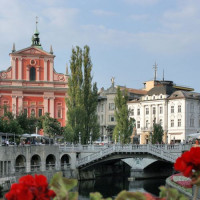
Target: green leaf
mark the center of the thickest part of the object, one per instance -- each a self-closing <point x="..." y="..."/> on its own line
<point x="124" y="195"/>
<point x="62" y="186"/>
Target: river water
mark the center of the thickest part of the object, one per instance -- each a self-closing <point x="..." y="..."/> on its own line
<point x="110" y="186"/>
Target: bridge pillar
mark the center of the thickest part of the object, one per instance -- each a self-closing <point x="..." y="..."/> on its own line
<point x="43" y="166"/>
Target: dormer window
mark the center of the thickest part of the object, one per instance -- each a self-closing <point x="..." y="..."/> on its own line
<point x="32" y="74"/>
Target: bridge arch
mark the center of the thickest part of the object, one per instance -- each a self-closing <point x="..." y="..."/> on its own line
<point x="20" y="163"/>
<point x="158" y="166"/>
<point x="35" y="163"/>
<point x="50" y="162"/>
<point x="65" y="161"/>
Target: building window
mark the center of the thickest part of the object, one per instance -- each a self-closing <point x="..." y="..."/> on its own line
<point x="138" y="124"/>
<point x="26" y="111"/>
<point x="111" y="118"/>
<point x="172" y="123"/>
<point x="179" y="108"/>
<point x="39" y="112"/>
<point x="33" y="103"/>
<point x="59" y="110"/>
<point x="101" y="107"/>
<point x="5" y="106"/>
<point x="161" y="96"/>
<point x="32" y="74"/>
<point x="161" y="122"/>
<point x="111" y="106"/>
<point x="98" y="108"/>
<point x="154" y="120"/>
<point x="191" y="122"/>
<point x="161" y="110"/>
<point x="147" y="111"/>
<point x="154" y="110"/>
<point x="147" y="123"/>
<point x="138" y="111"/>
<point x="179" y="122"/>
<point x="172" y="109"/>
<point x="101" y="118"/>
<point x="131" y="112"/>
<point x="32" y="112"/>
<point x="191" y="107"/>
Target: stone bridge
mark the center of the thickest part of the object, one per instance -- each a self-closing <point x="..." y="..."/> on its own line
<point x="167" y="153"/>
<point x="19" y="160"/>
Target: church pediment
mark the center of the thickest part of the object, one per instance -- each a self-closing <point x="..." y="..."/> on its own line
<point x="32" y="51"/>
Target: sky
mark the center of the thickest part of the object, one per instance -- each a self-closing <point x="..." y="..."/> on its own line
<point x="126" y="37"/>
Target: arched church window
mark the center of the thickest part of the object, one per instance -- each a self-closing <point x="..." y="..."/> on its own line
<point x="33" y="112"/>
<point x="32" y="74"/>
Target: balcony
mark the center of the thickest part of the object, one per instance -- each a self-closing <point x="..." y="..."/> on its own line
<point x="147" y="129"/>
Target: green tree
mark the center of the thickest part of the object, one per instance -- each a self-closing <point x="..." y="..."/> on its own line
<point x="90" y="96"/>
<point x="10" y="124"/>
<point x="50" y="125"/>
<point x="124" y="126"/>
<point x="82" y="97"/>
<point x="28" y="124"/>
<point x="157" y="134"/>
<point x="75" y="112"/>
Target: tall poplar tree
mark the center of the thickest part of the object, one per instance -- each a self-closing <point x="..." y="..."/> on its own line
<point x="82" y="98"/>
<point x="124" y="126"/>
<point x="157" y="134"/>
<point x="75" y="112"/>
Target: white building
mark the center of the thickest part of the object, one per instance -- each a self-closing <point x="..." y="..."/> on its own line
<point x="176" y="108"/>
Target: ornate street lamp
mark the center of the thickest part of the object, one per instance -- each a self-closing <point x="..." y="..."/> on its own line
<point x="79" y="134"/>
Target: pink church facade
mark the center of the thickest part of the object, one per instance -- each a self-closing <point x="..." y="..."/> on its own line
<point x="31" y="84"/>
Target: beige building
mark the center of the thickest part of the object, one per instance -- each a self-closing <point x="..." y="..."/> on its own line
<point x="106" y="109"/>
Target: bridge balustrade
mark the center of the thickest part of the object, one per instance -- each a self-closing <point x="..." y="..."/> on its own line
<point x="50" y="166"/>
<point x="20" y="169"/>
<point x="35" y="168"/>
<point x="164" y="151"/>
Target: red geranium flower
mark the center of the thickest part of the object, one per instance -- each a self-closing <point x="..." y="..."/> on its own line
<point x="189" y="162"/>
<point x="30" y="188"/>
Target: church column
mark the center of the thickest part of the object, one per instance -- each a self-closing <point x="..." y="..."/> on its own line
<point x="46" y="105"/>
<point x="14" y="68"/>
<point x="20" y="105"/>
<point x="51" y="70"/>
<point x="52" y="107"/>
<point x="14" y="103"/>
<point x="38" y="73"/>
<point x="20" y="69"/>
<point x="27" y="73"/>
<point x="45" y="70"/>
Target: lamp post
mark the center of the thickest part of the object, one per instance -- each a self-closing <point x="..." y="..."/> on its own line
<point x="79" y="137"/>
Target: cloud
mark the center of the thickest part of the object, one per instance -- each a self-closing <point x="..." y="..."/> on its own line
<point x="181" y="14"/>
<point x="103" y="13"/>
<point x="142" y="2"/>
<point x="138" y="17"/>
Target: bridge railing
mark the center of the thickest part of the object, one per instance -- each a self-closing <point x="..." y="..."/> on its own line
<point x="167" y="152"/>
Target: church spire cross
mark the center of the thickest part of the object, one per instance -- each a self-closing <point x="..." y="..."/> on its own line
<point x="155" y="67"/>
<point x="35" y="37"/>
<point x="36" y="22"/>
